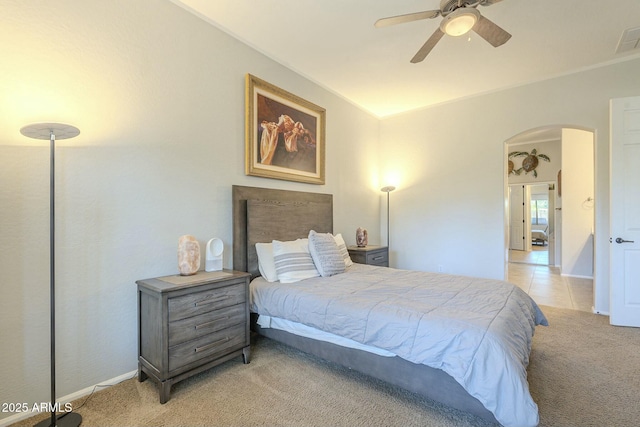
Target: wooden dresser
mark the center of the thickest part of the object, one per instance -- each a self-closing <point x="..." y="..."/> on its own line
<point x="188" y="324"/>
<point x="371" y="255"/>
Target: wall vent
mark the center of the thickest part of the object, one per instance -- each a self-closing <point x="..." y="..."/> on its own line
<point x="630" y="40"/>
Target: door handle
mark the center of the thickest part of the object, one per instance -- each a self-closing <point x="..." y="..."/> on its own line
<point x="621" y="240"/>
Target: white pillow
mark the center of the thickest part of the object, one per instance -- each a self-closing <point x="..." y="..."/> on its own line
<point x="293" y="261"/>
<point x="325" y="254"/>
<point x="266" y="264"/>
<point x="342" y="247"/>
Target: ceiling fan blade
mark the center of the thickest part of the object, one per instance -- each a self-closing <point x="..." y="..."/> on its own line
<point x="427" y="46"/>
<point x="492" y="33"/>
<point x="401" y="19"/>
<point x="489" y="2"/>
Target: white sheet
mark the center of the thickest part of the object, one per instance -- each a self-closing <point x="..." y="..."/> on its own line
<point x="316" y="334"/>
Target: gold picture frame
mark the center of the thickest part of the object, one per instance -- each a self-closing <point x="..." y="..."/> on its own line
<point x="284" y="135"/>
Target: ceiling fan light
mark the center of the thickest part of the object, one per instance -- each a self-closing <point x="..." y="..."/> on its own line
<point x="460" y="21"/>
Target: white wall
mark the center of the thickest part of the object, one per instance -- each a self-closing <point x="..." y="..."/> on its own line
<point x="158" y="95"/>
<point x="449" y="206"/>
<point x="577" y="209"/>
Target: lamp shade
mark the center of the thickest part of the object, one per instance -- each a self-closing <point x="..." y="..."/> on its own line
<point x="45" y="130"/>
<point x="460" y="21"/>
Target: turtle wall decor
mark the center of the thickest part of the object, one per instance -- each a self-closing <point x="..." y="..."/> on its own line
<point x="512" y="168"/>
<point x="529" y="164"/>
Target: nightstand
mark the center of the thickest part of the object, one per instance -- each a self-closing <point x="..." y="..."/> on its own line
<point x="371" y="255"/>
<point x="188" y="324"/>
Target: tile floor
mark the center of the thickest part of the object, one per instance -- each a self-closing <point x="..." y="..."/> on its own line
<point x="537" y="255"/>
<point x="545" y="284"/>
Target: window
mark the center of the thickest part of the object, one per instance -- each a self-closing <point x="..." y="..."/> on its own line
<point x="539" y="212"/>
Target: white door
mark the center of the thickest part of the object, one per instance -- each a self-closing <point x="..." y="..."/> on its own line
<point x="625" y="212"/>
<point x="516" y="217"/>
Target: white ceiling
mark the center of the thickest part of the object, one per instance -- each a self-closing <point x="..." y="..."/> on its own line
<point x="334" y="43"/>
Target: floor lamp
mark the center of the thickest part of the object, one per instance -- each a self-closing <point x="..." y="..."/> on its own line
<point x="51" y="131"/>
<point x="388" y="189"/>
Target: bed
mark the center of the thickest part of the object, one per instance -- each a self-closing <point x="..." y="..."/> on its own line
<point x="499" y="392"/>
<point x="539" y="234"/>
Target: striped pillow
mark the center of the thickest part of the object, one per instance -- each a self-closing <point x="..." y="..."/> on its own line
<point x="293" y="261"/>
<point x="342" y="247"/>
<point x="325" y="254"/>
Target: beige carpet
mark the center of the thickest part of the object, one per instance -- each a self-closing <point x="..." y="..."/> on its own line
<point x="583" y="372"/>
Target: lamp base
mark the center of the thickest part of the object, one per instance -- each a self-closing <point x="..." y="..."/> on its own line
<point x="68" y="419"/>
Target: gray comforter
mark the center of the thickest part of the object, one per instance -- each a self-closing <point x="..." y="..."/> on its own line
<point x="479" y="331"/>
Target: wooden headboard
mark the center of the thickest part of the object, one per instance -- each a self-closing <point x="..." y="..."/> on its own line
<point x="261" y="215"/>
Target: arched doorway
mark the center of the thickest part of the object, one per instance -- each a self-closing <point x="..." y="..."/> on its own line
<point x="566" y="163"/>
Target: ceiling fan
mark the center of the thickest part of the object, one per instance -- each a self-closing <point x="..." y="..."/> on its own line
<point x="459" y="17"/>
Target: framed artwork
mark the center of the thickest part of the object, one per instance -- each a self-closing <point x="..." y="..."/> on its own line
<point x="284" y="136"/>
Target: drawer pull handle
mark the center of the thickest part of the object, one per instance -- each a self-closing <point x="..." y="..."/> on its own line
<point x="211" y="301"/>
<point x="216" y="320"/>
<point x="377" y="258"/>
<point x="213" y="344"/>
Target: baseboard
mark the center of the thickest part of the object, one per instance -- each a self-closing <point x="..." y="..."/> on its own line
<point x="69" y="398"/>
<point x="577" y="276"/>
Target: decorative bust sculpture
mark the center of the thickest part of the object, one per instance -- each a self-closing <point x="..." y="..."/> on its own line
<point x="188" y="255"/>
<point x="362" y="238"/>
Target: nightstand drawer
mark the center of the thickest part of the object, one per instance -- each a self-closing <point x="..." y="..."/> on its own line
<point x="371" y="255"/>
<point x="207" y="346"/>
<point x="378" y="258"/>
<point x="203" y="302"/>
<point x="196" y="326"/>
